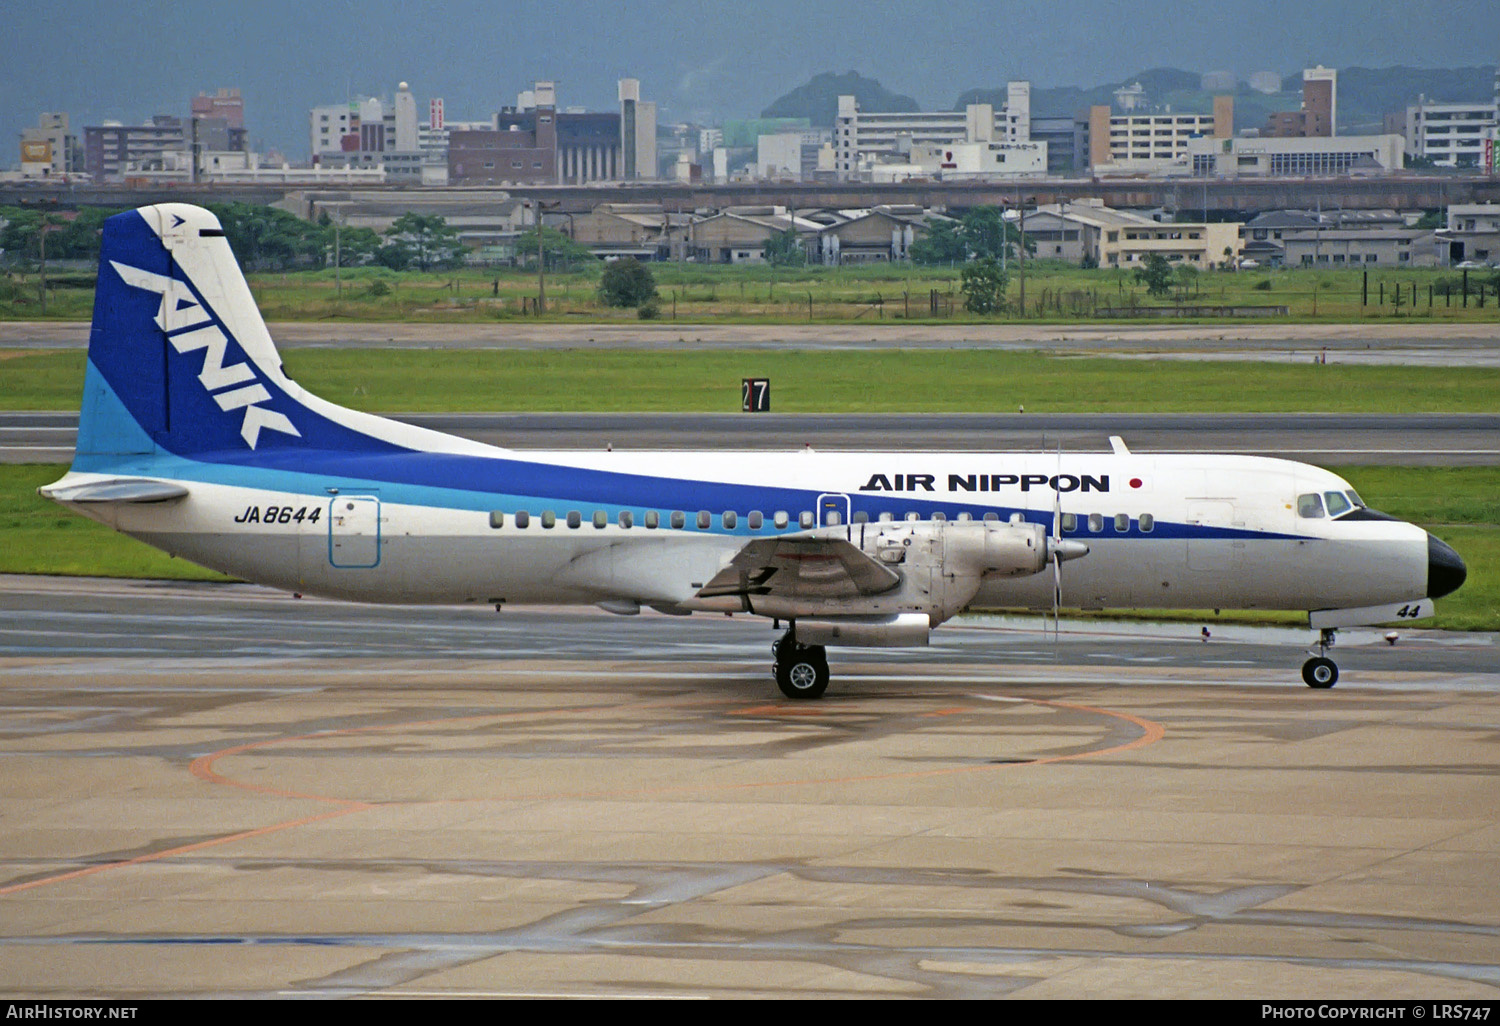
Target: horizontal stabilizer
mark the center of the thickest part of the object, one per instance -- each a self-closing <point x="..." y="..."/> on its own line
<point x="120" y="489"/>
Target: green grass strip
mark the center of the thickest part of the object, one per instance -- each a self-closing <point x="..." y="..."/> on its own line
<point x="845" y="381"/>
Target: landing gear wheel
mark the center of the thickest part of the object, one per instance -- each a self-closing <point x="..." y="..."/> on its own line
<point x="1320" y="672"/>
<point x="803" y="674"/>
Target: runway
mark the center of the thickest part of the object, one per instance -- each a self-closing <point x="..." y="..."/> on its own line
<point x="1470" y="343"/>
<point x="1330" y="439"/>
<point x="223" y="790"/>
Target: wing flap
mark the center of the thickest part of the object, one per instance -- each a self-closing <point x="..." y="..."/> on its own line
<point x="807" y="568"/>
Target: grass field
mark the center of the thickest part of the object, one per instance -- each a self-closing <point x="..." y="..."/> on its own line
<point x="1055" y="293"/>
<point x="1459" y="505"/>
<point x="819" y="381"/>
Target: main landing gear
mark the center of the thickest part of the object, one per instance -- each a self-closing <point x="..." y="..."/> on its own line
<point x="1320" y="671"/>
<point x="801" y="670"/>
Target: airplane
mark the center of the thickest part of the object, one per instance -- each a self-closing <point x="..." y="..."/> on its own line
<point x="193" y="438"/>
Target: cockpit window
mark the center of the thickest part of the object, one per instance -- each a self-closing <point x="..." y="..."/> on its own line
<point x="1354" y="497"/>
<point x="1337" y="503"/>
<point x="1310" y="505"/>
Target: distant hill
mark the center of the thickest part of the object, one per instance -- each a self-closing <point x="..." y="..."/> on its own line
<point x="818" y="100"/>
<point x="1365" y="95"/>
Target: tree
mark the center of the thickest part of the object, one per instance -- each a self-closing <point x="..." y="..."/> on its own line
<point x="989" y="233"/>
<point x="1156" y="275"/>
<point x="356" y="246"/>
<point x="395" y="255"/>
<point x="626" y="282"/>
<point x="267" y="237"/>
<point x="983" y="285"/>
<point x="941" y="245"/>
<point x="784" y="249"/>
<point x="559" y="248"/>
<point x="429" y="239"/>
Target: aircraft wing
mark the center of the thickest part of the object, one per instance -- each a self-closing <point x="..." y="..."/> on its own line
<point x="818" y="568"/>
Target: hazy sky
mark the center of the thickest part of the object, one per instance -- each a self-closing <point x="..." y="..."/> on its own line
<point x="698" y="59"/>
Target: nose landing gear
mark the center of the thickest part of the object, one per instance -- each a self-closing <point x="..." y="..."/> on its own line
<point x="801" y="671"/>
<point x="1320" y="671"/>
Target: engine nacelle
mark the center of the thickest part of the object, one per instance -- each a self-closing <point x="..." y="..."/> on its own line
<point x="993" y="550"/>
<point x="941" y="565"/>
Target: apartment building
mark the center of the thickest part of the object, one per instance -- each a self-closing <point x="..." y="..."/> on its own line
<point x="871" y="138"/>
<point x="1143" y="143"/>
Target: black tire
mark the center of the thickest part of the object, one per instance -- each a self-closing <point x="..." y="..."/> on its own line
<point x="1319" y="672"/>
<point x="804" y="675"/>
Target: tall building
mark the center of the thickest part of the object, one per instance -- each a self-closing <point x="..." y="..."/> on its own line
<point x="865" y="136"/>
<point x="1152" y="142"/>
<point x="370" y="133"/>
<point x="225" y="103"/>
<point x="404" y="120"/>
<point x="535" y="142"/>
<point x="49" y="148"/>
<point x="1449" y="134"/>
<point x="110" y="150"/>
<point x="637" y="132"/>
<point x="1318" y="117"/>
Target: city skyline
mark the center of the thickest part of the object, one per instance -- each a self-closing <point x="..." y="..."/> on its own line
<point x="700" y="62"/>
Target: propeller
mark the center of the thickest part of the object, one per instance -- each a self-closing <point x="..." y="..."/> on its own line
<point x="1059" y="551"/>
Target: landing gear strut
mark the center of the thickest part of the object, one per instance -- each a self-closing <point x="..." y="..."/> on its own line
<point x="801" y="670"/>
<point x="1320" y="671"/>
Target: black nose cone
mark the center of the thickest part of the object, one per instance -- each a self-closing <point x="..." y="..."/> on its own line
<point x="1445" y="570"/>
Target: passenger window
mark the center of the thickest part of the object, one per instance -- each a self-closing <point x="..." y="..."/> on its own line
<point x="679" y="519"/>
<point x="780" y="518"/>
<point x="939" y="515"/>
<point x="1310" y="506"/>
<point x="627" y="519"/>
<point x="601" y="518"/>
<point x="497" y="518"/>
<point x="886" y="518"/>
<point x="652" y="520"/>
<point x="913" y="515"/>
<point x="549" y="519"/>
<point x="861" y="517"/>
<point x="1147" y="522"/>
<point x="1069" y="522"/>
<point x="523" y="518"/>
<point x="1337" y="503"/>
<point x="1096" y="522"/>
<point x="992" y="518"/>
<point x="728" y="520"/>
<point x="1122" y="522"/>
<point x="805" y="519"/>
<point x="705" y="519"/>
<point x="754" y="520"/>
<point x="574" y="518"/>
<point x="966" y="516"/>
<point x="833" y="518"/>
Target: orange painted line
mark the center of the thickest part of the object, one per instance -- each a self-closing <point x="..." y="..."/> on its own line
<point x="777" y="710"/>
<point x="155" y="856"/>
<point x="1151" y="732"/>
<point x="202" y="767"/>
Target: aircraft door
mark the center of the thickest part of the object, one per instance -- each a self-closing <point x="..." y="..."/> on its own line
<point x="833" y="510"/>
<point x="354" y="531"/>
<point x="1208" y="551"/>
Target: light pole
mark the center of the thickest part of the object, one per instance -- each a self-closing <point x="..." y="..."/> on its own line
<point x="541" y="258"/>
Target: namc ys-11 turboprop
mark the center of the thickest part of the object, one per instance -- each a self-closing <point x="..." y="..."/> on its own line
<point x="193" y="439"/>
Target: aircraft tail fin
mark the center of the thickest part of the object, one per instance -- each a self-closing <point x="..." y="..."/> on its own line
<point x="180" y="361"/>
